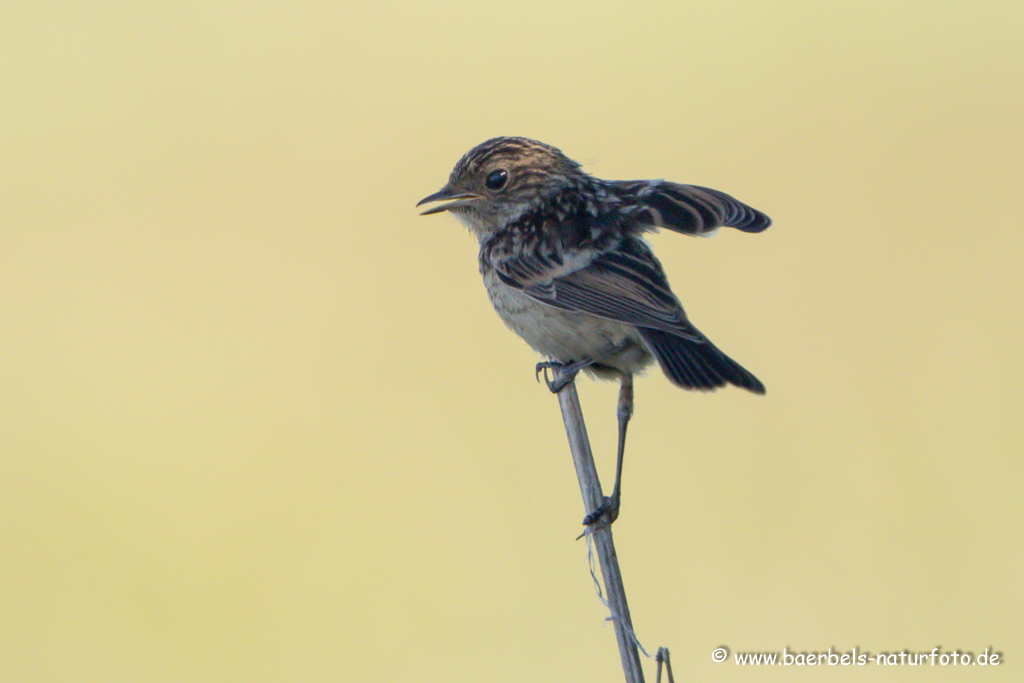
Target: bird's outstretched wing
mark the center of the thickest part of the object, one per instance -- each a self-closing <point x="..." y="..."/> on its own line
<point x="688" y="209"/>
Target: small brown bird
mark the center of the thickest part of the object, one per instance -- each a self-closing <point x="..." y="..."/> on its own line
<point x="566" y="267"/>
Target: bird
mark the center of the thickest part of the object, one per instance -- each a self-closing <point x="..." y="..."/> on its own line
<point x="566" y="267"/>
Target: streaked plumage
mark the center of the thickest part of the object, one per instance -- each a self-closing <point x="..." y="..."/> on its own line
<point x="566" y="267"/>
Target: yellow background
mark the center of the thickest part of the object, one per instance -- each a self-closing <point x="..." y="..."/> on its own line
<point x="258" y="421"/>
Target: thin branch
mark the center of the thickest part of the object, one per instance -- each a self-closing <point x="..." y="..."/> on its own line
<point x="590" y="487"/>
<point x="663" y="658"/>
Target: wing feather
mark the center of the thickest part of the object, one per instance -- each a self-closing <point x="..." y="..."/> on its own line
<point x="689" y="209"/>
<point x="626" y="284"/>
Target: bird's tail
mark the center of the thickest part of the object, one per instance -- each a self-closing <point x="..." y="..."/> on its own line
<point x="697" y="364"/>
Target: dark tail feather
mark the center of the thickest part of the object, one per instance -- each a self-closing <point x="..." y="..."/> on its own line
<point x="695" y="365"/>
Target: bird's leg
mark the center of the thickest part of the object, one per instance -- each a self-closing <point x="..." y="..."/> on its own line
<point x="609" y="510"/>
<point x="566" y="372"/>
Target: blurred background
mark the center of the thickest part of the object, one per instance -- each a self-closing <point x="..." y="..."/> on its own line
<point x="259" y="422"/>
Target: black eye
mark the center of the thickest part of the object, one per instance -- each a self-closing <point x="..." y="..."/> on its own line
<point x="496" y="179"/>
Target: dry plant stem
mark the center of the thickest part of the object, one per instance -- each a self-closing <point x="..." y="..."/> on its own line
<point x="663" y="658"/>
<point x="590" y="487"/>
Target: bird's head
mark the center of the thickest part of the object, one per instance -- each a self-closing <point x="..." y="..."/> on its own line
<point x="497" y="181"/>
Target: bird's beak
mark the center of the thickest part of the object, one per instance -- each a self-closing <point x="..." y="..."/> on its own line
<point x="460" y="199"/>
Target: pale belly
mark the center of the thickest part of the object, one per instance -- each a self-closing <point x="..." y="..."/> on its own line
<point x="567" y="336"/>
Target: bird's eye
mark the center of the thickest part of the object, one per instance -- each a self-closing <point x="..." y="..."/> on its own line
<point x="496" y="180"/>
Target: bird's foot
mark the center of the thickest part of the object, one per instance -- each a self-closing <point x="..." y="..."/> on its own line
<point x="604" y="515"/>
<point x="563" y="374"/>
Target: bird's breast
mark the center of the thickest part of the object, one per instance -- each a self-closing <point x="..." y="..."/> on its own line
<point x="565" y="335"/>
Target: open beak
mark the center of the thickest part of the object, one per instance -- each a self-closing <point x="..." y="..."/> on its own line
<point x="459" y="199"/>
